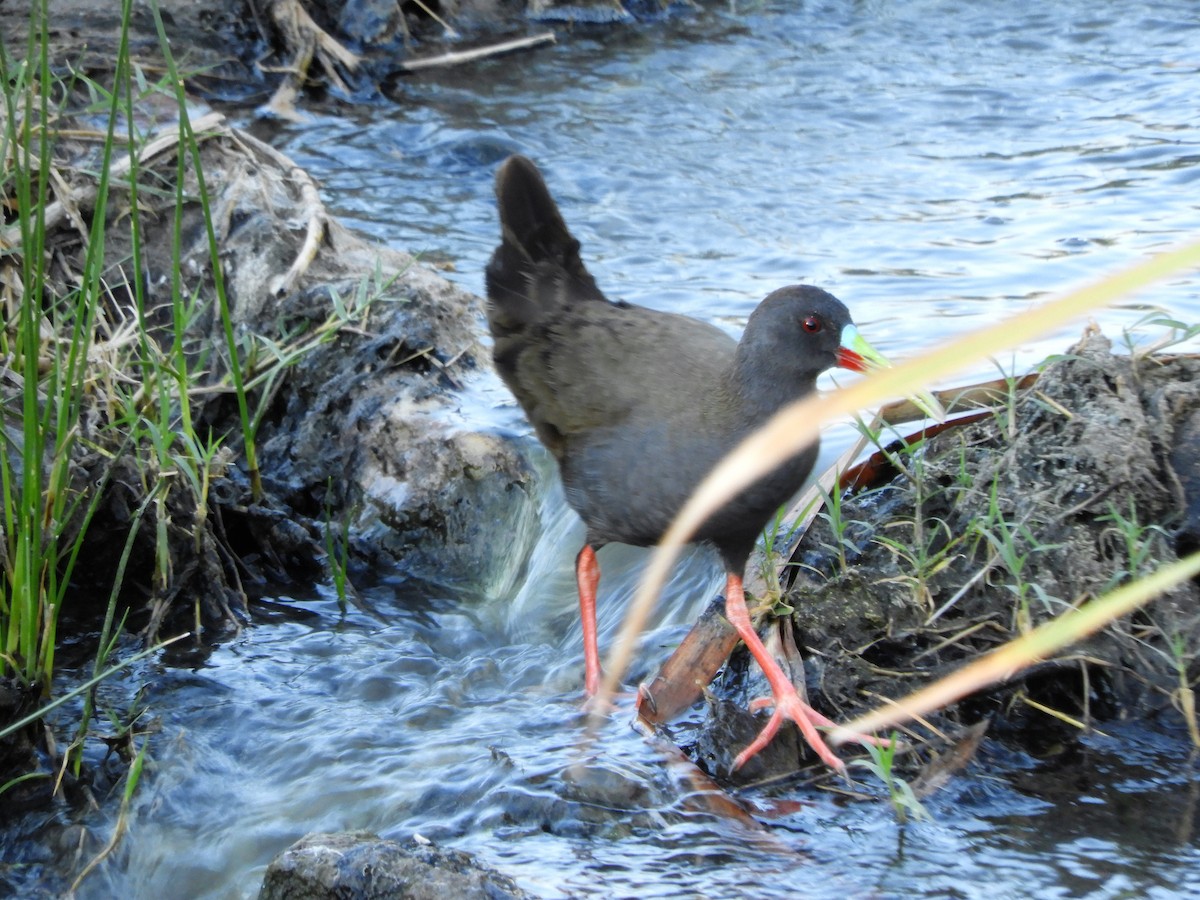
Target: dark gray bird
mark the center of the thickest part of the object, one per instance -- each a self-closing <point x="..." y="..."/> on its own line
<point x="637" y="406"/>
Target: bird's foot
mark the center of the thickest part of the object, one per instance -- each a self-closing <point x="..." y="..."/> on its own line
<point x="785" y="699"/>
<point x="808" y="720"/>
<point x="790" y="706"/>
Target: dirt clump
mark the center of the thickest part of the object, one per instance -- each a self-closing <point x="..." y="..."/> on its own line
<point x="1074" y="487"/>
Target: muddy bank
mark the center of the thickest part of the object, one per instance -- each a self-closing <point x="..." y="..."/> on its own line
<point x="355" y="360"/>
<point x="283" y="53"/>
<point x="356" y="357"/>
<point x="1072" y="487"/>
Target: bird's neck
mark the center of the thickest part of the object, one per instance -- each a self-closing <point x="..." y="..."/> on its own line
<point x="761" y="384"/>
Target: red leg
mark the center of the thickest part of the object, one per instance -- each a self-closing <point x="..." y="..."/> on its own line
<point x="587" y="576"/>
<point x="788" y="704"/>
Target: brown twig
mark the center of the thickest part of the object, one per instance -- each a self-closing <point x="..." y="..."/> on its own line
<point x="459" y="57"/>
<point x="306" y="39"/>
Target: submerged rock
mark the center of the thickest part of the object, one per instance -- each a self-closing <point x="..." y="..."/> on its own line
<point x="362" y="866"/>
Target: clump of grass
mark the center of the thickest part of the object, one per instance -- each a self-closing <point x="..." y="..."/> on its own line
<point x="39" y="506"/>
<point x="1013" y="544"/>
<point x="132" y="779"/>
<point x="839" y="527"/>
<point x="191" y="146"/>
<point x="881" y="762"/>
<point x="1184" y="696"/>
<point x="67" y="345"/>
<point x="337" y="550"/>
<point x="106" y="381"/>
<point x="1175" y="333"/>
<point x="1140" y="546"/>
<point x="924" y="545"/>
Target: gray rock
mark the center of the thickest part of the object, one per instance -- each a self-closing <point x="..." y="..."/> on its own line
<point x="359" y="865"/>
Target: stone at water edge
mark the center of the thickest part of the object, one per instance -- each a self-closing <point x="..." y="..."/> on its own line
<point x="364" y="866"/>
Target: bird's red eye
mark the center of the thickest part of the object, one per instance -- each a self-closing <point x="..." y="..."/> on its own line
<point x="812" y="324"/>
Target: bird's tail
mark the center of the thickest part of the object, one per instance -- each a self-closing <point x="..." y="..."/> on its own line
<point x="537" y="265"/>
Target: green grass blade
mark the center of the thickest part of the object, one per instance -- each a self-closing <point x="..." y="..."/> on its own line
<point x="235" y="370"/>
<point x="42" y="711"/>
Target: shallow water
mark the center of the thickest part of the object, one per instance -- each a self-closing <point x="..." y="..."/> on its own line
<point x="938" y="166"/>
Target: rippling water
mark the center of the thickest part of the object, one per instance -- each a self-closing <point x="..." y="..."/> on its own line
<point x="937" y="165"/>
<point x="928" y="162"/>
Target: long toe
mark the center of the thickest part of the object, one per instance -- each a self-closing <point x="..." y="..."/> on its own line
<point x="790" y="706"/>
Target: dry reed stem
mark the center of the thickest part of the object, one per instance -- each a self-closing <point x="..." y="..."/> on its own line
<point x="1005" y="662"/>
<point x="315" y="214"/>
<point x="304" y="38"/>
<point x="83" y="197"/>
<point x="459" y="57"/>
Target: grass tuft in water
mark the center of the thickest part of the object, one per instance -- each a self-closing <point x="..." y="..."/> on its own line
<point x="880" y="761"/>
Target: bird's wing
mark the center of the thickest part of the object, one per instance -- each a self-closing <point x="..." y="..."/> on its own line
<point x="600" y="365"/>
